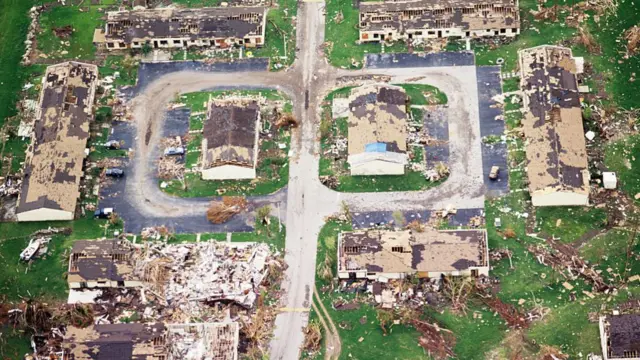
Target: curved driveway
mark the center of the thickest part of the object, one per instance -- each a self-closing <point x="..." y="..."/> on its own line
<point x="308" y="201"/>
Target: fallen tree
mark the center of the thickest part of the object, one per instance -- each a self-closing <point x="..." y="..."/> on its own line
<point x="220" y="212"/>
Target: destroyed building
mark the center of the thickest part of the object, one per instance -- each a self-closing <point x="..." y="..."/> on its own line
<point x="375" y="254"/>
<point x="101" y="263"/>
<point x="54" y="159"/>
<point x="555" y="143"/>
<point x="168" y="28"/>
<point x="427" y="19"/>
<point x="620" y="337"/>
<point x="192" y="274"/>
<point x="230" y="140"/>
<point x="216" y="341"/>
<point x="377" y="138"/>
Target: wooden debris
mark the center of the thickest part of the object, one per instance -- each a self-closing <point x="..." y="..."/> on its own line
<point x="221" y="211"/>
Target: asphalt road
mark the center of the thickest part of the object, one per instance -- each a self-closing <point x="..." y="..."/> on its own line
<point x="308" y="202"/>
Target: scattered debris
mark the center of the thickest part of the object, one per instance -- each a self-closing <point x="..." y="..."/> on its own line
<point x="221" y="211"/>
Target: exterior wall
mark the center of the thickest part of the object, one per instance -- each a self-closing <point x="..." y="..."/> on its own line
<point x="559" y="199"/>
<point x="179" y="43"/>
<point x="362" y="274"/>
<point x="377" y="167"/>
<point x="103" y="284"/>
<point x="228" y="172"/>
<point x="44" y="215"/>
<point x="418" y="34"/>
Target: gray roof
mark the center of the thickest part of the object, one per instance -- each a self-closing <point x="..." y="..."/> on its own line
<point x="624" y="335"/>
<point x="193" y="24"/>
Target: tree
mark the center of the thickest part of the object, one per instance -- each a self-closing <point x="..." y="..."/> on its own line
<point x="146" y="48"/>
<point x="263" y="213"/>
<point x="129" y="63"/>
<point x="398" y="218"/>
<point x="385" y="318"/>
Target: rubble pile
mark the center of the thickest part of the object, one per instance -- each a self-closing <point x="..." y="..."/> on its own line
<point x="566" y="260"/>
<point x="438" y="342"/>
<point x="199" y="273"/>
<point x="34" y="14"/>
<point x="632" y="35"/>
<point x="10" y="187"/>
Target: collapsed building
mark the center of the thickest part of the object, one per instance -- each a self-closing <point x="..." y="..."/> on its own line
<point x="620" y="337"/>
<point x="54" y="160"/>
<point x="427" y="19"/>
<point x="377" y="135"/>
<point x="432" y="253"/>
<point x="101" y="264"/>
<point x="168" y="28"/>
<point x="555" y="143"/>
<point x="157" y="341"/>
<point x="188" y="276"/>
<point x="230" y="139"/>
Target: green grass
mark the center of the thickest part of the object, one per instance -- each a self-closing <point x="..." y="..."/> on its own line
<point x="622" y="157"/>
<point x="272" y="172"/>
<point x="609" y="251"/>
<point x="14" y="23"/>
<point x="410" y="181"/>
<point x="269" y="234"/>
<point x="280" y="34"/>
<point x="343" y="51"/>
<point x="80" y="41"/>
<point x="113" y="64"/>
<point x="574" y="222"/>
<point x="422" y="94"/>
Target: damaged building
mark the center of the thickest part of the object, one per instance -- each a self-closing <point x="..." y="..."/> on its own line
<point x="555" y="144"/>
<point x="54" y="159"/>
<point x="375" y="254"/>
<point x="189" y="276"/>
<point x="230" y="140"/>
<point x="620" y="337"/>
<point x="428" y="19"/>
<point x="157" y="341"/>
<point x="377" y="135"/>
<point x="101" y="264"/>
<point x="169" y="28"/>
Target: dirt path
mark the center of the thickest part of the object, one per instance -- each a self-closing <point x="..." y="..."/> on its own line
<point x="332" y="343"/>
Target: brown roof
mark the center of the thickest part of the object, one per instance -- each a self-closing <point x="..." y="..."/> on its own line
<point x="115" y="341"/>
<point x="100" y="260"/>
<point x="147" y="24"/>
<point x="556" y="151"/>
<point x="377" y="116"/>
<point x="230" y="133"/>
<point x="384" y="251"/>
<point x="433" y="14"/>
<point x="54" y="160"/>
<point x="624" y="335"/>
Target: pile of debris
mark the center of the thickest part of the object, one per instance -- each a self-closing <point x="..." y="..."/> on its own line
<point x="34" y="14"/>
<point x="10" y="187"/>
<point x="220" y="212"/>
<point x="193" y="275"/>
<point x="566" y="260"/>
<point x="632" y="35"/>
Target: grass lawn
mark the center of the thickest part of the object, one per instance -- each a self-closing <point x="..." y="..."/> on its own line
<point x="270" y="234"/>
<point x="332" y="129"/>
<point x="80" y="41"/>
<point x="609" y="251"/>
<point x="570" y="223"/>
<point x="622" y="157"/>
<point x="273" y="164"/>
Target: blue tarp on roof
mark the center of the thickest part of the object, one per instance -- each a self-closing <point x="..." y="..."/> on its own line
<point x="375" y="147"/>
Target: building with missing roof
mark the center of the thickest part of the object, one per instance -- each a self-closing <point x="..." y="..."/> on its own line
<point x="377" y="135"/>
<point x="230" y="140"/>
<point x="432" y="253"/>
<point x="169" y="28"/>
<point x="156" y="341"/>
<point x="620" y="337"/>
<point x="557" y="165"/>
<point x="428" y="19"/>
<point x="54" y="162"/>
<point x="102" y="263"/>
